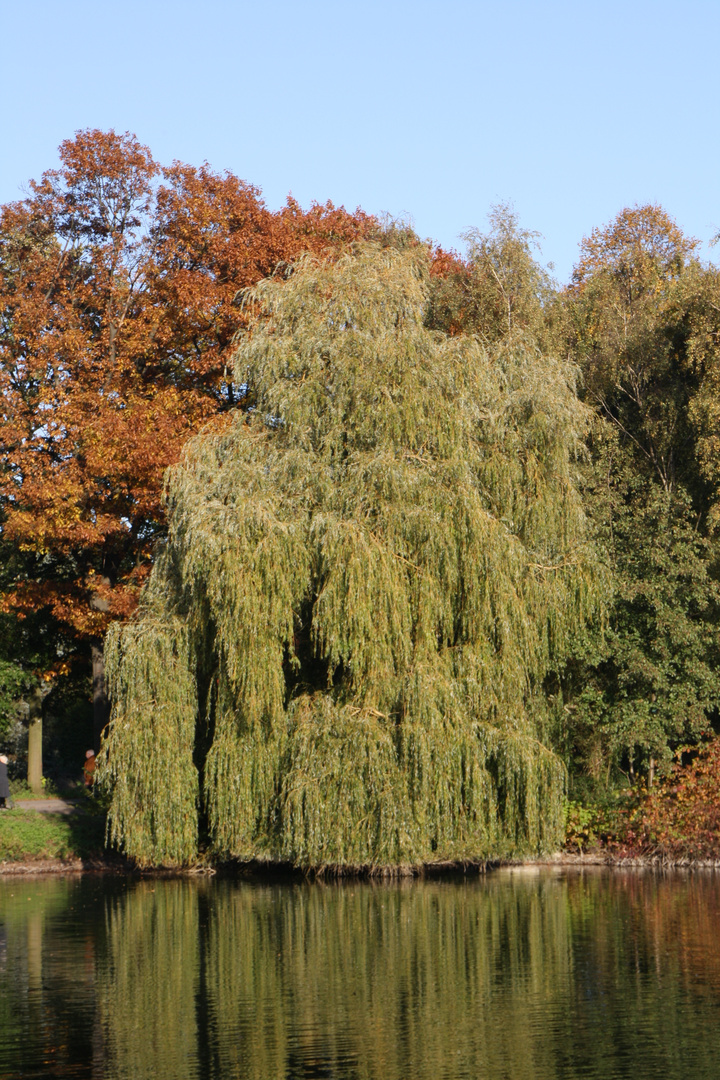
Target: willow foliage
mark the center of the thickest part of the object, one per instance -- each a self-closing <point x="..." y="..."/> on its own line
<point x="339" y="656"/>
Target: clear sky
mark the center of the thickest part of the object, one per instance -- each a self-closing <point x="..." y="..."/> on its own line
<point x="569" y="110"/>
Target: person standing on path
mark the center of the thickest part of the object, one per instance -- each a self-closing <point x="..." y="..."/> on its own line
<point x="89" y="769"/>
<point x="4" y="784"/>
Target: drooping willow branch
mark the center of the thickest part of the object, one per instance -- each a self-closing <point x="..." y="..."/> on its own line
<point x="340" y="651"/>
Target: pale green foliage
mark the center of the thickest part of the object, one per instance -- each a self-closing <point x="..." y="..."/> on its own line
<point x="155" y="785"/>
<point x="367" y="578"/>
<point x="509" y="287"/>
<point x="499" y="289"/>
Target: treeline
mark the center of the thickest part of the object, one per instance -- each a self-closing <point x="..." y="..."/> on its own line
<point x="640" y="319"/>
<point x="123" y="297"/>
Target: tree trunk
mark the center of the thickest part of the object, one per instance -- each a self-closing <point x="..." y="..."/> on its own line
<point x="101" y="705"/>
<point x="35" y="769"/>
<point x="35" y="927"/>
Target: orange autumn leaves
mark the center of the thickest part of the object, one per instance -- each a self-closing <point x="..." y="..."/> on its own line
<point x="119" y="283"/>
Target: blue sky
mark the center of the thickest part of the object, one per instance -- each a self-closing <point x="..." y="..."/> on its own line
<point x="571" y="111"/>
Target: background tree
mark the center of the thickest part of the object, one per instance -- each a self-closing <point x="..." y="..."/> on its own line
<point x="635" y="313"/>
<point x="499" y="287"/>
<point x="117" y="304"/>
<point x="72" y="258"/>
<point x="213" y="238"/>
<point x="340" y="653"/>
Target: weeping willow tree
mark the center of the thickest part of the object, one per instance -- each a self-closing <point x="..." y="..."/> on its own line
<point x="338" y="659"/>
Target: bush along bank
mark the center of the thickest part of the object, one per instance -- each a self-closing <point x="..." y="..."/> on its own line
<point x="675" y="822"/>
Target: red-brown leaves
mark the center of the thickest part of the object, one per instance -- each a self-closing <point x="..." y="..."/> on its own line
<point x="118" y="300"/>
<point x="680" y="819"/>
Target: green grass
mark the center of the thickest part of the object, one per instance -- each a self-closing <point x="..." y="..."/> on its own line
<point x="19" y="789"/>
<point x="26" y="834"/>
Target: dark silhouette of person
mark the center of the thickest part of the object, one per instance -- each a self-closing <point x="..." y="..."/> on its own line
<point x="4" y="784"/>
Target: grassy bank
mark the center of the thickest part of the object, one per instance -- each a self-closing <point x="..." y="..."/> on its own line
<point x="27" y="834"/>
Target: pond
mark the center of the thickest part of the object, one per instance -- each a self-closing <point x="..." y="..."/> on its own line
<point x="533" y="974"/>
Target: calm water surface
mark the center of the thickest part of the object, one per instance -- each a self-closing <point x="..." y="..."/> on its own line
<point x="520" y="976"/>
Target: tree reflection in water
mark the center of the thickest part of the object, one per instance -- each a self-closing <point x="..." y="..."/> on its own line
<point x="518" y="975"/>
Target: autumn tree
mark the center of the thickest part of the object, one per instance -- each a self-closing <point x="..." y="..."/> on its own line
<point x="629" y="333"/>
<point x="72" y="258"/>
<point x="119" y="298"/>
<point x="498" y="288"/>
<point x="213" y="238"/>
<point x="339" y="654"/>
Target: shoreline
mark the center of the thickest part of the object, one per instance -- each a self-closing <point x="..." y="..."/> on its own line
<point x="116" y="865"/>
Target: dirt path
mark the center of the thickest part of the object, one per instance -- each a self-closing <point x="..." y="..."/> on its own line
<point x="52" y="806"/>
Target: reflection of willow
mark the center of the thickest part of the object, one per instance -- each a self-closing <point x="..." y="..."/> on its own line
<point x="539" y="976"/>
<point x="258" y="982"/>
<point x="383" y="982"/>
<point x="146" y="993"/>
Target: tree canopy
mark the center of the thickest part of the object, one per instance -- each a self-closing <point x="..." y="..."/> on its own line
<point x="641" y="319"/>
<point x="340" y="650"/>
<point x="117" y="288"/>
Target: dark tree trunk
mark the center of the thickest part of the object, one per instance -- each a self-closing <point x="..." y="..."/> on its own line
<point x="101" y="704"/>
